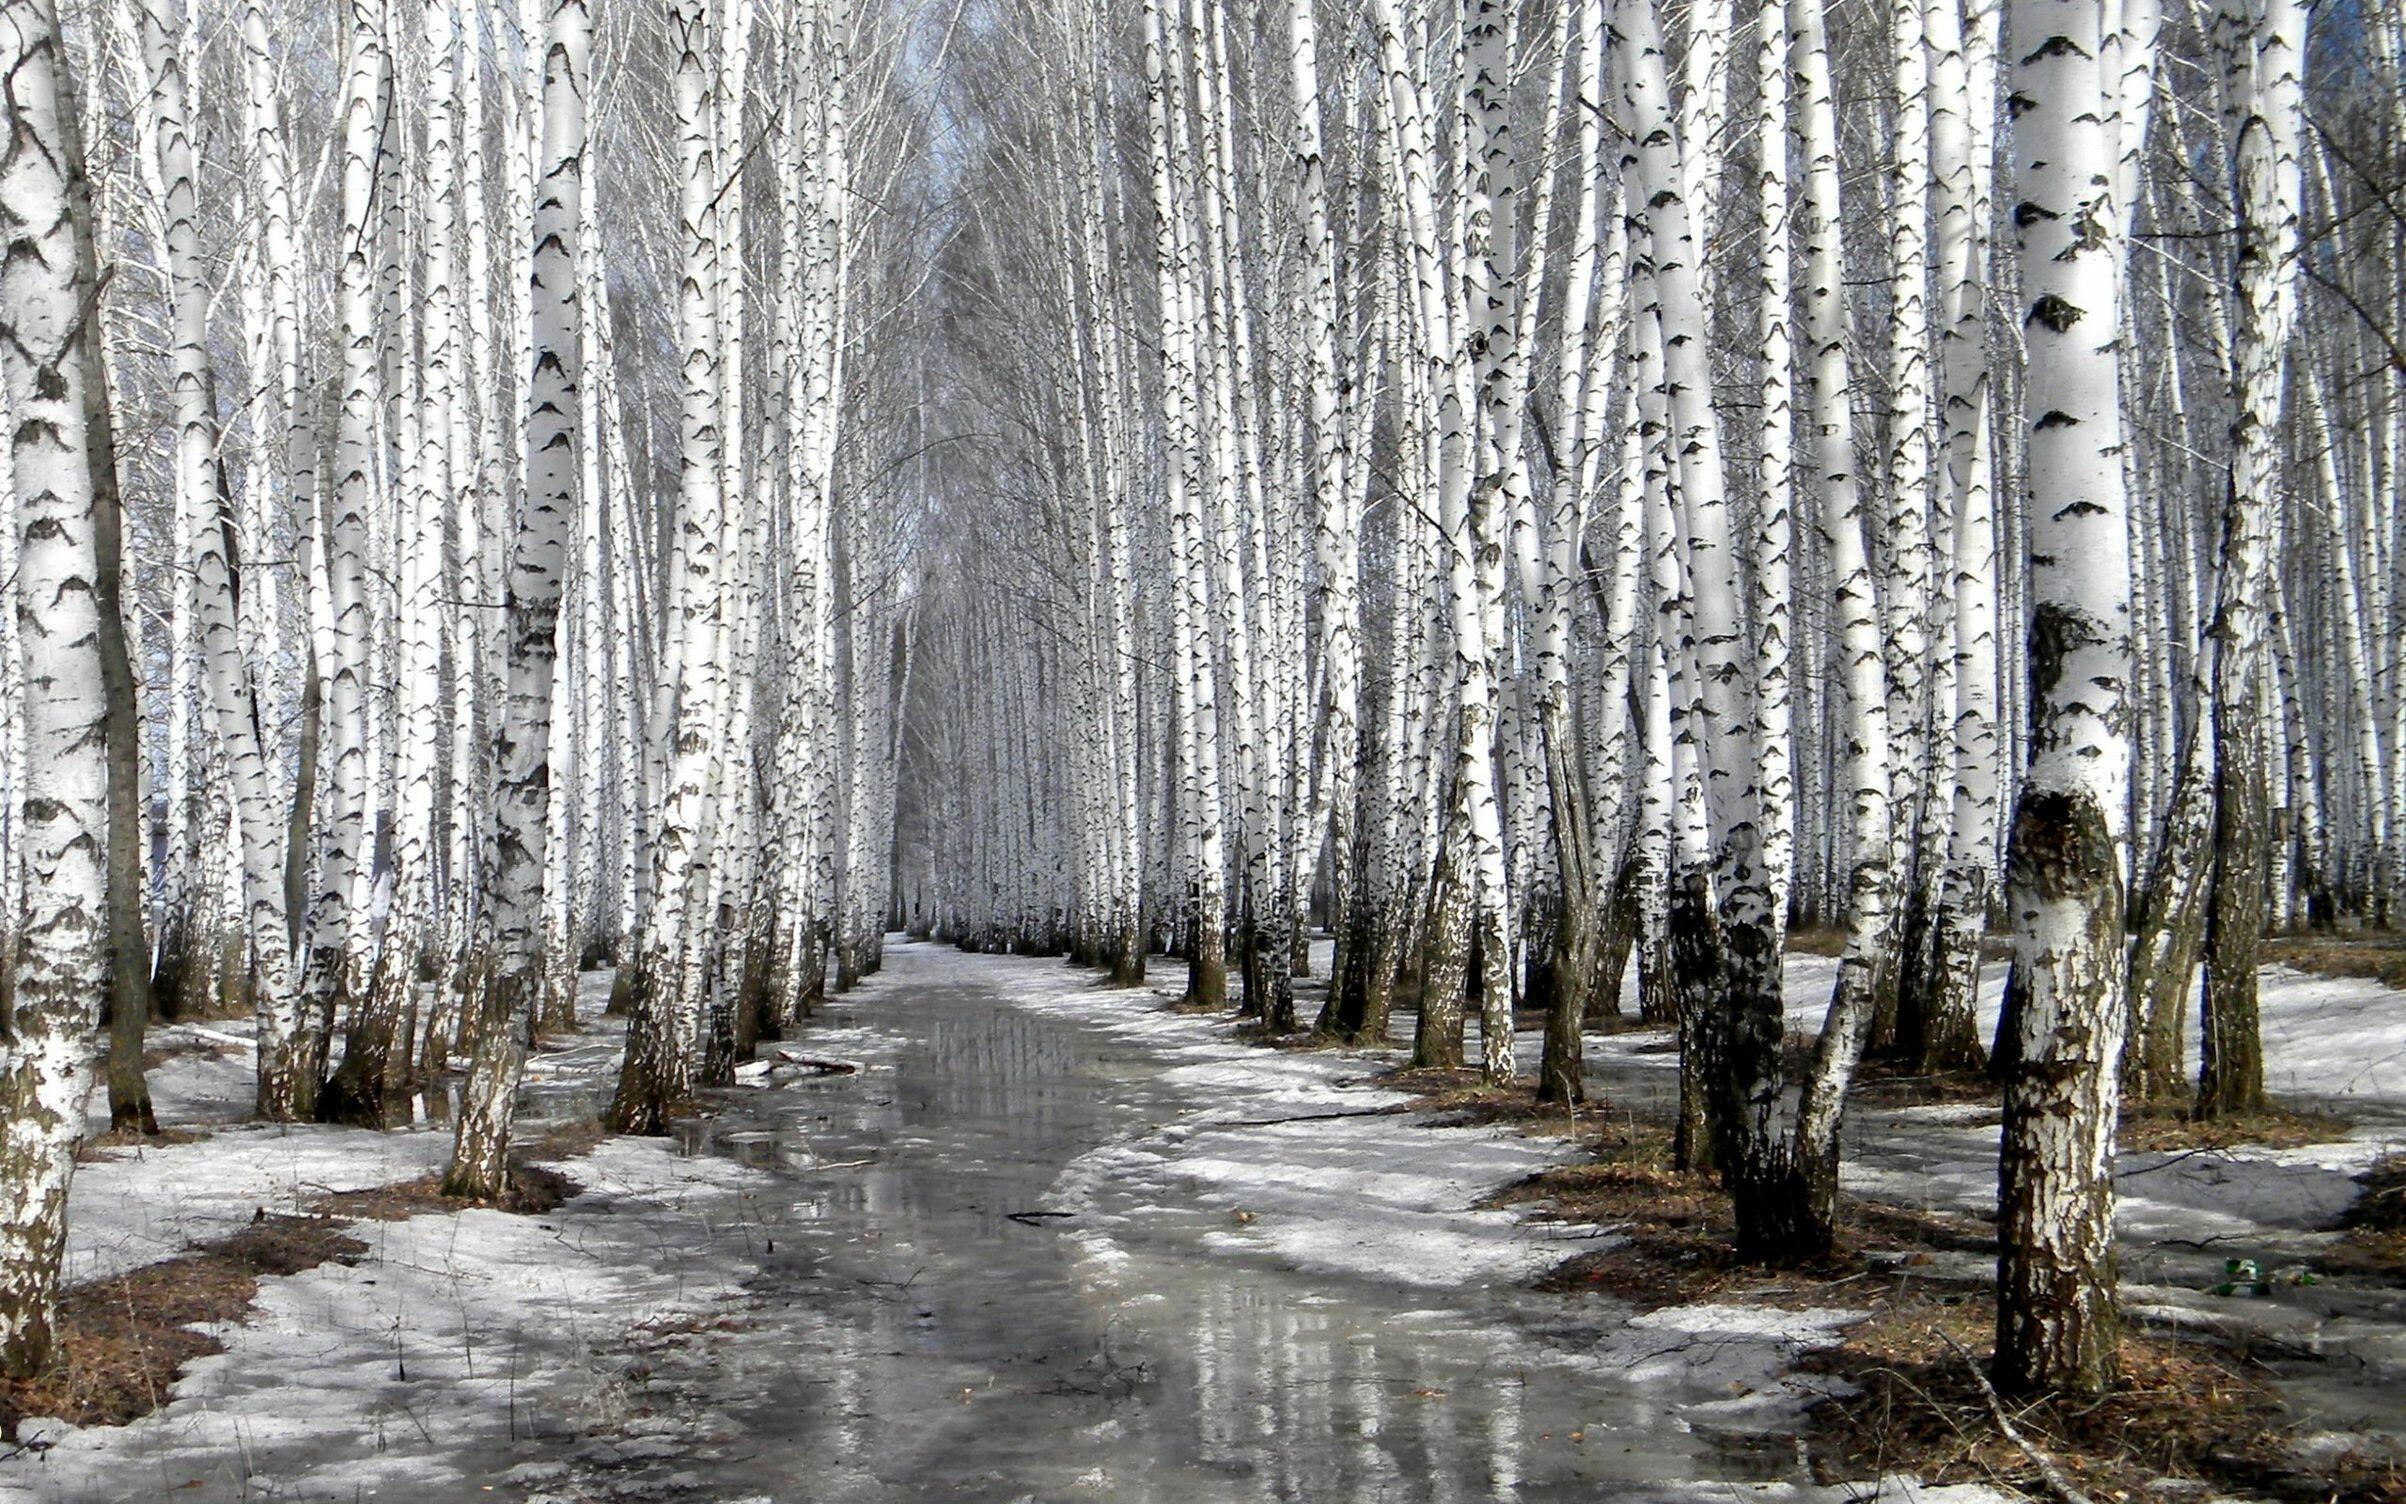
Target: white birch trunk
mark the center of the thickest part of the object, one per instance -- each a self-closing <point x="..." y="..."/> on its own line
<point x="514" y="880"/>
<point x="339" y="906"/>
<point x="2065" y="875"/>
<point x="656" y="1081"/>
<point x="49" y="360"/>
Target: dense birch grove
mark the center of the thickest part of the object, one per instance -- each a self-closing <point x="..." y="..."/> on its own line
<point x="1563" y="495"/>
<point x="1567" y="499"/>
<point x="514" y="566"/>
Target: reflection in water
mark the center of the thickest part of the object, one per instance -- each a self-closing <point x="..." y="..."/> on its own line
<point x="912" y="1340"/>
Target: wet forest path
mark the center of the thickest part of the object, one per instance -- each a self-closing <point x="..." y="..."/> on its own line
<point x="1012" y="1258"/>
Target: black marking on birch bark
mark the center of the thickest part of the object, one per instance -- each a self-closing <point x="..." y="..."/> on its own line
<point x="2056" y="313"/>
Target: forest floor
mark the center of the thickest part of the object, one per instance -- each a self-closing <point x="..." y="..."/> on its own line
<point x="1052" y="1242"/>
<point x="2264" y="1260"/>
<point x="289" y="1311"/>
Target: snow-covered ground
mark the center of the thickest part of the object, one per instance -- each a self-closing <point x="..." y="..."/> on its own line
<point x="2334" y="1045"/>
<point x="422" y="1371"/>
<point x="1387" y="1196"/>
<point x="1295" y="1149"/>
<point x="403" y="1375"/>
<point x="410" y="1373"/>
<point x="2335" y="1042"/>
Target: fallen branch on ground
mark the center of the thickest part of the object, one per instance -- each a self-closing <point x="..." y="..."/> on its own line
<point x="2061" y="1486"/>
<point x="823" y="1067"/>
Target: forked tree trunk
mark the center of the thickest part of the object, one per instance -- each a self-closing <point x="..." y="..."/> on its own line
<point x="514" y="883"/>
<point x="2168" y="917"/>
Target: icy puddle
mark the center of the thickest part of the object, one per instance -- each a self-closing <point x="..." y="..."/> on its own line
<point x="1050" y="1244"/>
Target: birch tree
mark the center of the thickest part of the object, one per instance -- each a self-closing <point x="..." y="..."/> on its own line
<point x="338" y="908"/>
<point x="2056" y="1310"/>
<point x="656" y="1079"/>
<point x="2263" y="60"/>
<point x="479" y="1159"/>
<point x="210" y="551"/>
<point x="50" y="365"/>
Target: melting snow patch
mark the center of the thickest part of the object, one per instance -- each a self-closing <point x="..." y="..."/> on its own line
<point x="457" y="1332"/>
<point x="137" y="1207"/>
<point x="1729" y="1347"/>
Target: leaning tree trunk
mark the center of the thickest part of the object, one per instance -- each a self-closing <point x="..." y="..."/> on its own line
<point x="49" y="358"/>
<point x="2168" y="912"/>
<point x="1870" y="888"/>
<point x="2056" y="1311"/>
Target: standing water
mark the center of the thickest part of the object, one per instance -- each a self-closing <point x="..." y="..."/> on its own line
<point x="939" y="1311"/>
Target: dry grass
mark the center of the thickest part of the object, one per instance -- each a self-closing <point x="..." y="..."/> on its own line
<point x="1463" y="1100"/>
<point x="533" y="1190"/>
<point x="1676" y="1235"/>
<point x="2380" y="956"/>
<point x="1879" y="1083"/>
<point x="1676" y="1239"/>
<point x="564" y="1139"/>
<point x="123" y="1341"/>
<point x="1306" y="1039"/>
<point x="2168" y="1127"/>
<point x="107" y="1146"/>
<point x="2183" y="1411"/>
<point x="2374" y="1243"/>
<point x="2383" y="1208"/>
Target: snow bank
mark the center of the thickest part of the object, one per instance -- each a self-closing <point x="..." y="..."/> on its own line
<point x="2340" y="1041"/>
<point x="1727" y="1346"/>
